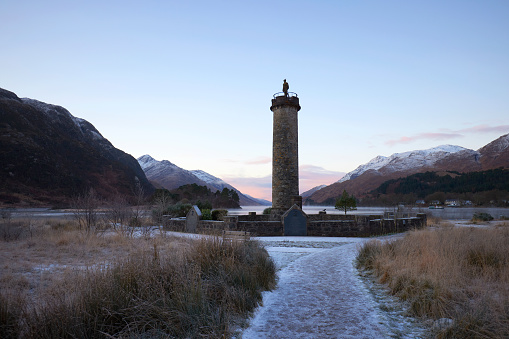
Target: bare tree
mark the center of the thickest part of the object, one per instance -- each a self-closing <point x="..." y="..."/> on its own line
<point x="85" y="209"/>
<point x="138" y="209"/>
<point x="162" y="202"/>
<point x="118" y="214"/>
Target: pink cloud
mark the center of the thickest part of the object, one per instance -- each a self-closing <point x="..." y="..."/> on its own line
<point x="421" y="136"/>
<point x="255" y="187"/>
<point x="261" y="187"/>
<point x="312" y="176"/>
<point x="449" y="135"/>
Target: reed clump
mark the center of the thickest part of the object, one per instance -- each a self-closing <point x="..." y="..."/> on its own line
<point x="457" y="274"/>
<point x="125" y="287"/>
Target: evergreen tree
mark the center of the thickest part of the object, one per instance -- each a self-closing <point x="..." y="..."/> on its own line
<point x="346" y="202"/>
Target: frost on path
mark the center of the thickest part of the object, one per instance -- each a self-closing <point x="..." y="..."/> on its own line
<point x="319" y="295"/>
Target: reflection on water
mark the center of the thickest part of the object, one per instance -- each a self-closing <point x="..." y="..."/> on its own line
<point x="452" y="213"/>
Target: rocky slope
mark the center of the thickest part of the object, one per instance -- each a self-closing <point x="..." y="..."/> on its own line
<point x="496" y="153"/>
<point x="170" y="176"/>
<point x="47" y="156"/>
<point x="442" y="158"/>
<point x="166" y="174"/>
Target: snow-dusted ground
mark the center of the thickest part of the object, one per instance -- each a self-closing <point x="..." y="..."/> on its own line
<point x="320" y="294"/>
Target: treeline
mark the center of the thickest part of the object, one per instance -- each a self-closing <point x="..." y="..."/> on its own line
<point x="199" y="195"/>
<point x="489" y="187"/>
<point x="493" y="198"/>
<point x="423" y="184"/>
<point x="178" y="202"/>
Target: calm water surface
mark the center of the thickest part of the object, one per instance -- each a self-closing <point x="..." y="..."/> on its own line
<point x="452" y="213"/>
<point x="447" y="213"/>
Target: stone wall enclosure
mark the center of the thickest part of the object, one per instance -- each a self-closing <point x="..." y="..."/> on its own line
<point x="321" y="225"/>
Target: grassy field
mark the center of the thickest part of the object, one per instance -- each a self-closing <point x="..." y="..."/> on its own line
<point x="59" y="282"/>
<point x="458" y="277"/>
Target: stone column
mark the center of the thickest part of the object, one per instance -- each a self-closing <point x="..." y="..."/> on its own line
<point x="285" y="154"/>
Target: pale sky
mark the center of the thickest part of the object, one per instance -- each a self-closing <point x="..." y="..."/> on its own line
<point x="192" y="81"/>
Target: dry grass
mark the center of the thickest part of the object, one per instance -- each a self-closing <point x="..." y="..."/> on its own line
<point x="43" y="249"/>
<point x="456" y="273"/>
<point x="56" y="281"/>
<point x="433" y="222"/>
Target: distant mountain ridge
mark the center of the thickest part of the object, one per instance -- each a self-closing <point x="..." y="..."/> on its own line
<point x="369" y="176"/>
<point x="211" y="180"/>
<point x="219" y="184"/>
<point x="405" y="161"/>
<point x="47" y="155"/>
<point x="167" y="174"/>
<point x="170" y="176"/>
<point x="312" y="190"/>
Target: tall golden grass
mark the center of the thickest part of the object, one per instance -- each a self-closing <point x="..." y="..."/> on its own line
<point x="58" y="282"/>
<point x="456" y="273"/>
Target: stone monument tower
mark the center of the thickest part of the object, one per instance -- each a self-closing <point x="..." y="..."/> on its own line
<point x="285" y="152"/>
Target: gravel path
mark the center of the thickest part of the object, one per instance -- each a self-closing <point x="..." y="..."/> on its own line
<point x="319" y="295"/>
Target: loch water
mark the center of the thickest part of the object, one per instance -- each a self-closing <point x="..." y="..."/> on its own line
<point x="451" y="213"/>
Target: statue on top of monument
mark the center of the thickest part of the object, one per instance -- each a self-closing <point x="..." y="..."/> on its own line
<point x="286" y="87"/>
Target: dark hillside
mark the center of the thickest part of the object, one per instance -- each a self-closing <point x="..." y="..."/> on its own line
<point x="423" y="184"/>
<point x="47" y="156"/>
<point x="489" y="187"/>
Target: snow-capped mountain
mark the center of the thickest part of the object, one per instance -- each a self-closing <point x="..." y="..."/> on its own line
<point x="369" y="176"/>
<point x="219" y="184"/>
<point x="211" y="180"/>
<point x="170" y="176"/>
<point x="406" y="161"/>
<point x="156" y="168"/>
<point x="166" y="174"/>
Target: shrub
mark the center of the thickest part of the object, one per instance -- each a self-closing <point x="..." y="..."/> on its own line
<point x="206" y="205"/>
<point x="11" y="231"/>
<point x="178" y="210"/>
<point x="206" y="214"/>
<point x="482" y="216"/>
<point x="219" y="214"/>
<point x="268" y="210"/>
